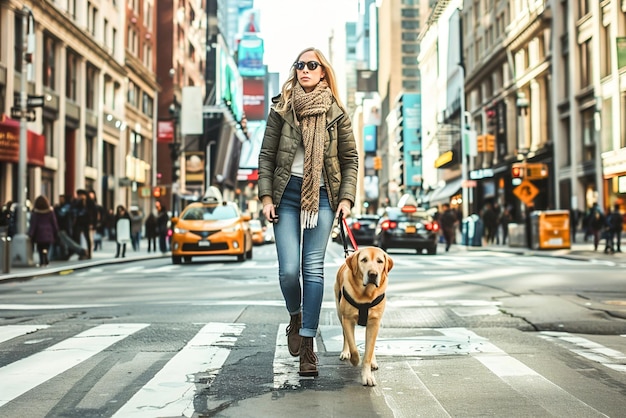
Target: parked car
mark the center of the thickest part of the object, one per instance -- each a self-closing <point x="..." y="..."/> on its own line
<point x="211" y="227"/>
<point x="256" y="229"/>
<point x="407" y="227"/>
<point x="363" y="228"/>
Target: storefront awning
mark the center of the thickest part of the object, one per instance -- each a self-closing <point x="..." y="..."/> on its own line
<point x="10" y="143"/>
<point x="443" y="194"/>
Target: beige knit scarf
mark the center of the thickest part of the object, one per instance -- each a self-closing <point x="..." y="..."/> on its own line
<point x="311" y="111"/>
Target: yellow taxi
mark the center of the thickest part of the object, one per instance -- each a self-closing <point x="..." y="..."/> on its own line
<point x="211" y="227"/>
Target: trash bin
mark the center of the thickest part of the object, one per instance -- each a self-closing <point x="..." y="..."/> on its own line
<point x="472" y="231"/>
<point x="5" y="251"/>
<point x="550" y="229"/>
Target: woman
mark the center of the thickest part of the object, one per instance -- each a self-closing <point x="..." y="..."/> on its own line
<point x="308" y="167"/>
<point x="151" y="231"/>
<point x="162" y="220"/>
<point x="43" y="229"/>
<point x="122" y="230"/>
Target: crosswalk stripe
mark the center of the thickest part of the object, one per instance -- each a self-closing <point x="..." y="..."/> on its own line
<point x="11" y="331"/>
<point x="23" y="375"/>
<point x="531" y="384"/>
<point x="590" y="350"/>
<point x="286" y="366"/>
<point x="171" y="391"/>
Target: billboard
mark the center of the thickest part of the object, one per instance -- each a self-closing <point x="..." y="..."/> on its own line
<point x="250" y="56"/>
<point x="250" y="149"/>
<point x="369" y="138"/>
<point x="412" y="137"/>
<point x="254" y="98"/>
<point x="230" y="86"/>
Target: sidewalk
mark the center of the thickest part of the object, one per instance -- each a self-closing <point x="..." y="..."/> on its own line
<point x="579" y="251"/>
<point x="105" y="255"/>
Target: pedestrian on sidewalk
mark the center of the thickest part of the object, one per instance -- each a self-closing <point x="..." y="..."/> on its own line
<point x="615" y="222"/>
<point x="448" y="220"/>
<point x="162" y="220"/>
<point x="122" y="230"/>
<point x="308" y="166"/>
<point x="151" y="232"/>
<point x="43" y="229"/>
<point x="596" y="224"/>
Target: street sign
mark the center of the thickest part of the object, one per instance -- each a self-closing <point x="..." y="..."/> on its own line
<point x="28" y="114"/>
<point x="526" y="192"/>
<point x="34" y="101"/>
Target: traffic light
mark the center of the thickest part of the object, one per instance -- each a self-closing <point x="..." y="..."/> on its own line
<point x="480" y="143"/>
<point x="517" y="171"/>
<point x="490" y="113"/>
<point x="378" y="163"/>
<point x="158" y="191"/>
<point x="490" y="143"/>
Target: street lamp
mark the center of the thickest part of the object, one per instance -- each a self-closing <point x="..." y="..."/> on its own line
<point x="597" y="126"/>
<point x="175" y="152"/>
<point x="522" y="109"/>
<point x="22" y="254"/>
<point x="464" y="145"/>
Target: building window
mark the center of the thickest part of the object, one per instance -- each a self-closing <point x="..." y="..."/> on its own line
<point x="71" y="8"/>
<point x="90" y="146"/>
<point x="92" y="16"/>
<point x="90" y="87"/>
<point x="132" y="40"/>
<point x="147" y="105"/>
<point x="105" y="34"/>
<point x="116" y="92"/>
<point x="605" y="45"/>
<point x="588" y="133"/>
<point x="48" y="132"/>
<point x="133" y="94"/>
<point x="49" y="58"/>
<point x="584" y="6"/>
<point x="147" y="55"/>
<point x="71" y="71"/>
<point x="586" y="66"/>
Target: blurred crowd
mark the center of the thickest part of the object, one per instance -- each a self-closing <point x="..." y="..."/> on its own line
<point x="78" y="224"/>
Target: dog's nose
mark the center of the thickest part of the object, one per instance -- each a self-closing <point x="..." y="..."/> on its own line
<point x="372" y="277"/>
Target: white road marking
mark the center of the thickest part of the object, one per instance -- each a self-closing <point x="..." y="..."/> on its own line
<point x="286" y="367"/>
<point x="9" y="332"/>
<point x="590" y="350"/>
<point x="172" y="390"/>
<point x="23" y="375"/>
<point x="25" y="307"/>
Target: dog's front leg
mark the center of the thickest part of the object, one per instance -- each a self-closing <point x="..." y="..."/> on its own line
<point x="349" y="351"/>
<point x="369" y="359"/>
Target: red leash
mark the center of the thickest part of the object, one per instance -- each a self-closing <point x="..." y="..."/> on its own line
<point x="344" y="229"/>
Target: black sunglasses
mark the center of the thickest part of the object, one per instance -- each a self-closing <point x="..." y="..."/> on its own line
<point x="311" y="65"/>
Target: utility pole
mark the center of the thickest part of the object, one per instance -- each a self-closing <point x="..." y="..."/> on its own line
<point x="21" y="250"/>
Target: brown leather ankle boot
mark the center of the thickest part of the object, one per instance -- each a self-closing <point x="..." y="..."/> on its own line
<point x="293" y="334"/>
<point x="308" y="359"/>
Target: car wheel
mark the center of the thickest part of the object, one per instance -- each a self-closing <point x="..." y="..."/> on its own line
<point x="187" y="259"/>
<point x="249" y="254"/>
<point x="432" y="250"/>
<point x="176" y="259"/>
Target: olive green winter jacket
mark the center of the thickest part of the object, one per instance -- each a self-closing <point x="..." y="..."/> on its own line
<point x="283" y="137"/>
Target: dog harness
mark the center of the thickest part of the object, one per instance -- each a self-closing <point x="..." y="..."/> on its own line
<point x="362" y="307"/>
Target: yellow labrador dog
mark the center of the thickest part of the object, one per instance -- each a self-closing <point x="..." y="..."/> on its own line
<point x="360" y="298"/>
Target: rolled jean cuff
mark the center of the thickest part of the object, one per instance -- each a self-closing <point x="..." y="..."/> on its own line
<point x="308" y="332"/>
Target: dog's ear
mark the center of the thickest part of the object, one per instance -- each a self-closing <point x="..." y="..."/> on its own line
<point x="389" y="263"/>
<point x="353" y="262"/>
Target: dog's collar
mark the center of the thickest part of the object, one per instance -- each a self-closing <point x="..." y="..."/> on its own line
<point x="362" y="307"/>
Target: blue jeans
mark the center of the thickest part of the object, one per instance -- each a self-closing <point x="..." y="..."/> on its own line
<point x="309" y="245"/>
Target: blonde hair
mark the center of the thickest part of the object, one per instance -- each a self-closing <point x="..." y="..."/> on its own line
<point x="286" y="91"/>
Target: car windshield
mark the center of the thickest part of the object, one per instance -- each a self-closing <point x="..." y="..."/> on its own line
<point x="210" y="213"/>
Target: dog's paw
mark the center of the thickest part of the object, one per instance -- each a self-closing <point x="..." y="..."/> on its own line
<point x="367" y="378"/>
<point x="345" y="355"/>
<point x="374" y="365"/>
<point x="355" y="359"/>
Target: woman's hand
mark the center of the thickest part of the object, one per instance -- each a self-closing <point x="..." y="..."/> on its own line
<point x="269" y="211"/>
<point x="343" y="210"/>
